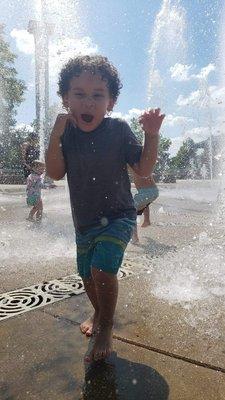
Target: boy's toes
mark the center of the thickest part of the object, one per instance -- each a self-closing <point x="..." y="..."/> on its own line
<point x="88" y="332"/>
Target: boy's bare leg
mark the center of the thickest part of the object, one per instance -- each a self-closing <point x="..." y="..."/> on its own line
<point x="135" y="238"/>
<point x="89" y="326"/>
<point x="107" y="292"/>
<point x="146" y="214"/>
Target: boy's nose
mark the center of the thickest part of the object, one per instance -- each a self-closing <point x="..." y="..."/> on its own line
<point x="89" y="101"/>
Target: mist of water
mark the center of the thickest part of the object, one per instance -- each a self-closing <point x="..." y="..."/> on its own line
<point x="56" y="29"/>
<point x="168" y="43"/>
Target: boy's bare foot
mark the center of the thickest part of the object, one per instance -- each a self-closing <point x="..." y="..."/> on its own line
<point x="102" y="346"/>
<point x="89" y="326"/>
<point x="145" y="224"/>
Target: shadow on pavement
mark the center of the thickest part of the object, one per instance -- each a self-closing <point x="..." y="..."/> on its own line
<point x="154" y="248"/>
<point x="123" y="380"/>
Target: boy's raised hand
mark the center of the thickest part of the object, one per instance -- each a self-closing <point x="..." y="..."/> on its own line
<point x="60" y="123"/>
<point x="151" y="121"/>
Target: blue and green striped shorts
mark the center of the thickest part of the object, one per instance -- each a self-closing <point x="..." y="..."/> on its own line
<point x="103" y="247"/>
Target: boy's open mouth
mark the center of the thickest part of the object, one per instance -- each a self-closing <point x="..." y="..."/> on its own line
<point x="87" y="117"/>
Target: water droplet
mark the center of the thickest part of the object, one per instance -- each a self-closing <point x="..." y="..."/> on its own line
<point x="104" y="221"/>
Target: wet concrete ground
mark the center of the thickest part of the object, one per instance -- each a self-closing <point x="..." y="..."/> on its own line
<point x="158" y="353"/>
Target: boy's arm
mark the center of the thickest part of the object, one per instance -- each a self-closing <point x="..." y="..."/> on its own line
<point x="151" y="122"/>
<point x="55" y="163"/>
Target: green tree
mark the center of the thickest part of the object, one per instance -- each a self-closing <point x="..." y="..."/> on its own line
<point x="186" y="160"/>
<point x="163" y="165"/>
<point x="137" y="129"/>
<point x="18" y="136"/>
<point x="11" y="95"/>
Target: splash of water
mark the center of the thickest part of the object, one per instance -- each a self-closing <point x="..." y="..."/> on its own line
<point x="55" y="30"/>
<point x="168" y="42"/>
<point x="221" y="206"/>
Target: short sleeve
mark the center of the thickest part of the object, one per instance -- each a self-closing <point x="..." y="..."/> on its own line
<point x="132" y="147"/>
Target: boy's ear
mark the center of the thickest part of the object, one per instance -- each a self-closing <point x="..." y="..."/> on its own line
<point x="65" y="101"/>
<point x="111" y="105"/>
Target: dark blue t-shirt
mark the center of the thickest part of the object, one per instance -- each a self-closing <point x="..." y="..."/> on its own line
<point x="96" y="166"/>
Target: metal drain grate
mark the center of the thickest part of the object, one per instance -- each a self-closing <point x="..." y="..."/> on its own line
<point x="29" y="298"/>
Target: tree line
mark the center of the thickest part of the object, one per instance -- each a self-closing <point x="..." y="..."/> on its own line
<point x="192" y="161"/>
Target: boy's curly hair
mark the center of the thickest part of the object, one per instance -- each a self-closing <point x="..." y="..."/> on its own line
<point x="95" y="64"/>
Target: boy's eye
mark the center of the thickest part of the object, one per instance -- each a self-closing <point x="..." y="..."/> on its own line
<point x="98" y="96"/>
<point x="80" y="95"/>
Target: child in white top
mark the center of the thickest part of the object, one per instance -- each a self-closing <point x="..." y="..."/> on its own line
<point x="33" y="190"/>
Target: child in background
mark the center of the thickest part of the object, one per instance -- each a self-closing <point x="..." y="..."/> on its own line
<point x="94" y="152"/>
<point x="30" y="151"/>
<point x="147" y="192"/>
<point x="33" y="190"/>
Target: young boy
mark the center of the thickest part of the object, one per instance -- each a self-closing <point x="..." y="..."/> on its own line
<point x="34" y="185"/>
<point x="94" y="152"/>
<point x="147" y="192"/>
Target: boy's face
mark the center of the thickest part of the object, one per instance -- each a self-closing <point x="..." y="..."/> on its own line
<point x="88" y="100"/>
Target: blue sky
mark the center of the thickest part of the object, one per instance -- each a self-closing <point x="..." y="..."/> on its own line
<point x="186" y="59"/>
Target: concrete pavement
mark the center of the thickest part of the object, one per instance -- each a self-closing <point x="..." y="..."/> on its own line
<point x="42" y="355"/>
<point x="159" y="354"/>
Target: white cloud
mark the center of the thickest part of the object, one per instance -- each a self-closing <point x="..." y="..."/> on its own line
<point x="24" y="40"/>
<point x="176" y="143"/>
<point x="132" y="113"/>
<point x="181" y="72"/>
<point x="218" y="96"/>
<point x="201" y="133"/>
<point x="204" y="72"/>
<point x="198" y="134"/>
<point x="117" y="114"/>
<point x="27" y="127"/>
<point x="191" y="100"/>
<point x="219" y="126"/>
<point x="212" y="96"/>
<point x="60" y="53"/>
<point x="176" y="120"/>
